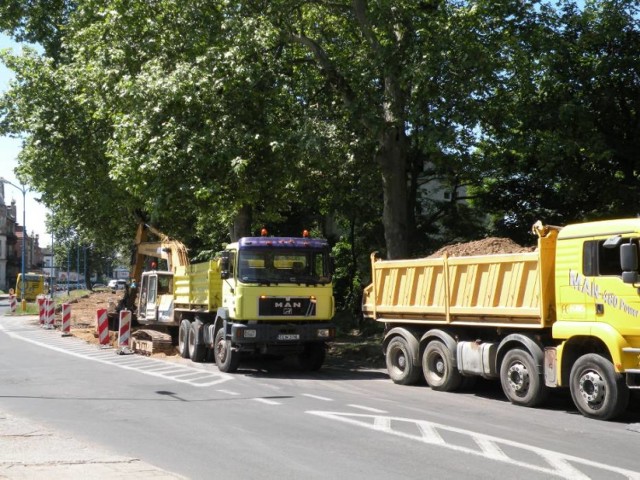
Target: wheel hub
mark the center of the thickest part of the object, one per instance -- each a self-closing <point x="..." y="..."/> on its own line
<point x="401" y="361"/>
<point x="518" y="378"/>
<point x="439" y="366"/>
<point x="221" y="350"/>
<point x="592" y="387"/>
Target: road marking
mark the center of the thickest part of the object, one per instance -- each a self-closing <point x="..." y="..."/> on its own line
<point x="149" y="366"/>
<point x="367" y="409"/>
<point x="228" y="392"/>
<point x="267" y="401"/>
<point x="317" y="397"/>
<point x="559" y="464"/>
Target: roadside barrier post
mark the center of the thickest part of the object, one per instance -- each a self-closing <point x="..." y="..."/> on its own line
<point x="50" y="310"/>
<point x="102" y="327"/>
<point x="66" y="320"/>
<point x="124" y="333"/>
<point x="41" y="303"/>
<point x="13" y="303"/>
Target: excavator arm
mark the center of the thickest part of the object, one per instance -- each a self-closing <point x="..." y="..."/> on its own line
<point x="165" y="248"/>
<point x="173" y="251"/>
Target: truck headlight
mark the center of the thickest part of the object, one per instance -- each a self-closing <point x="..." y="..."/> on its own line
<point x="324" y="332"/>
<point x="249" y="334"/>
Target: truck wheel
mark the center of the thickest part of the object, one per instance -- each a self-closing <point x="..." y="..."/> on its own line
<point x="226" y="359"/>
<point x="183" y="338"/>
<point x="197" y="350"/>
<point x="312" y="358"/>
<point x="437" y="365"/>
<point x="399" y="364"/>
<point x="597" y="390"/>
<point x="521" y="382"/>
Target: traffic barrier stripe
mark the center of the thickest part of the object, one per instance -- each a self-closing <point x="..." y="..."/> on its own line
<point x="50" y="309"/>
<point x="41" y="303"/>
<point x="66" y="319"/>
<point x="102" y="323"/>
<point x="124" y="332"/>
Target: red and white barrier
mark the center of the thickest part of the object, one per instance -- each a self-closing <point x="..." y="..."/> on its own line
<point x="124" y="333"/>
<point x="41" y="310"/>
<point x="50" y="310"/>
<point x="102" y="326"/>
<point x="13" y="303"/>
<point x="66" y="320"/>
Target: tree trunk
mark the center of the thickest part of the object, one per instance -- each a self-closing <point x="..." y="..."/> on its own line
<point x="241" y="223"/>
<point x="392" y="158"/>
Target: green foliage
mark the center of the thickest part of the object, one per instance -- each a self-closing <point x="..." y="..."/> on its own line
<point x="395" y="126"/>
<point x="562" y="139"/>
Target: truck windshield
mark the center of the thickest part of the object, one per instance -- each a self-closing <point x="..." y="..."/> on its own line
<point x="283" y="266"/>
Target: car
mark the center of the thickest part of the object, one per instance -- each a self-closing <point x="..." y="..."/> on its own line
<point x="118" y="284"/>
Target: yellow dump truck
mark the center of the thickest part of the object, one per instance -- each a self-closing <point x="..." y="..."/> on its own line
<point x="261" y="295"/>
<point x="565" y="315"/>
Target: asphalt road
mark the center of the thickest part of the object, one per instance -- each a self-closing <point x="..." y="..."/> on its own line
<point x="270" y="421"/>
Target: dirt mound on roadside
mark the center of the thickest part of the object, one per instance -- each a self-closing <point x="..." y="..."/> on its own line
<point x="486" y="246"/>
<point x="83" y="317"/>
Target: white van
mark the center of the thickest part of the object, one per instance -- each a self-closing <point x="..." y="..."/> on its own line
<point x="117" y="284"/>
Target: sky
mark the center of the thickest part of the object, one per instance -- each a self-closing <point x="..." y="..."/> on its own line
<point x="9" y="149"/>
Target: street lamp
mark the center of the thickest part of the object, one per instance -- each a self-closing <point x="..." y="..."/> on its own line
<point x="23" y="189"/>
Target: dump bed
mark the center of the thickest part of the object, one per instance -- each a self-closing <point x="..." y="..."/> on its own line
<point x="198" y="286"/>
<point x="511" y="290"/>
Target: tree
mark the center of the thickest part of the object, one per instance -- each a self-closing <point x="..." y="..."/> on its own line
<point x="561" y="145"/>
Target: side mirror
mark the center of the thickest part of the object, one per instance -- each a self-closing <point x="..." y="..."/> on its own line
<point x="224" y="266"/>
<point x="629" y="262"/>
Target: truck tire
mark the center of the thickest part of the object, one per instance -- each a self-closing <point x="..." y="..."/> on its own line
<point x="197" y="350"/>
<point x="312" y="358"/>
<point x="521" y="382"/>
<point x="438" y="368"/>
<point x="227" y="359"/>
<point x="183" y="338"/>
<point x="597" y="390"/>
<point x="399" y="364"/>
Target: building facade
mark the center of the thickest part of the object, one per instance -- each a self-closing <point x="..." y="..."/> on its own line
<point x="11" y="236"/>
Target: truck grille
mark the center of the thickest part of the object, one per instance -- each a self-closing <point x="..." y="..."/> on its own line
<point x="286" y="307"/>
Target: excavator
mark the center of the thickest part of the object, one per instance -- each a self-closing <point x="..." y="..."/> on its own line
<point x="172" y="251"/>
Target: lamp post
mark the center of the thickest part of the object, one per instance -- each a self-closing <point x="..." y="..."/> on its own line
<point x="23" y="189"/>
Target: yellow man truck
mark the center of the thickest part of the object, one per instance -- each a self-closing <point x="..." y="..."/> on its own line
<point x="565" y="315"/>
<point x="261" y="295"/>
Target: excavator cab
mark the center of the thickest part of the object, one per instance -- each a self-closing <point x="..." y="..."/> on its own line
<point x="153" y="287"/>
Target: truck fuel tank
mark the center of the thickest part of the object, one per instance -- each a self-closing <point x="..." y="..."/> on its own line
<point x="476" y="358"/>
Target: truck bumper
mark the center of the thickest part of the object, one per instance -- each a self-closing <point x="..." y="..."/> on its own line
<point x="280" y="338"/>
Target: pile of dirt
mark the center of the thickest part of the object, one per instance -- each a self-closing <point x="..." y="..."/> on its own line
<point x="83" y="315"/>
<point x="83" y="318"/>
<point x="486" y="246"/>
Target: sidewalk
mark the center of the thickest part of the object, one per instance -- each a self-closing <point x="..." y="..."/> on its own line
<point x="28" y="450"/>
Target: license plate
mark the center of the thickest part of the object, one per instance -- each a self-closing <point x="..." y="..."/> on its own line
<point x="293" y="336"/>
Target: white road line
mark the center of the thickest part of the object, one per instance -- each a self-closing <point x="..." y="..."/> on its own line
<point x="366" y="409"/>
<point x="560" y="465"/>
<point x="228" y="392"/>
<point x="317" y="397"/>
<point x="490" y="449"/>
<point x="430" y="435"/>
<point x="267" y="401"/>
<point x="151" y="370"/>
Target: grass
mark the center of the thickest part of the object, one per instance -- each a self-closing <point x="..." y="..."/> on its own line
<point x="32" y="307"/>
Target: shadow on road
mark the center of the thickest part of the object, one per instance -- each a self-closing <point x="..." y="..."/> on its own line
<point x="333" y="369"/>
